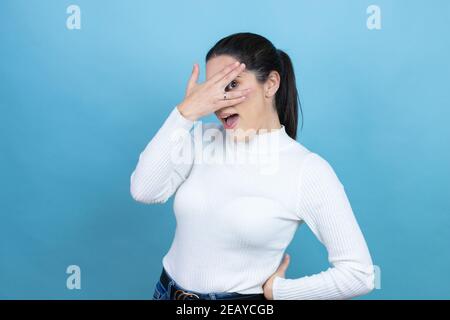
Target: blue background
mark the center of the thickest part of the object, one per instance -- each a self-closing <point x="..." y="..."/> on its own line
<point x="78" y="106"/>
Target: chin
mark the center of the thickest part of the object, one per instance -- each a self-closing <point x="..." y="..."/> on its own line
<point x="238" y="134"/>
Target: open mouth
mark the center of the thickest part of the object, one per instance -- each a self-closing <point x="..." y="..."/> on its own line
<point x="229" y="120"/>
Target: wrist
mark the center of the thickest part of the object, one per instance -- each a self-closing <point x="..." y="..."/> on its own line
<point x="184" y="111"/>
<point x="275" y="285"/>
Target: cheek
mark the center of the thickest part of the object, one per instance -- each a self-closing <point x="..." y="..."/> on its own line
<point x="251" y="105"/>
<point x="249" y="108"/>
<point x="253" y="97"/>
<point x="254" y="100"/>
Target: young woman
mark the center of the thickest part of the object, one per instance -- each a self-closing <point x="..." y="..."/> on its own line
<point x="236" y="218"/>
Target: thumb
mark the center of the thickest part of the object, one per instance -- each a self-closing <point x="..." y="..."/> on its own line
<point x="193" y="80"/>
<point x="284" y="265"/>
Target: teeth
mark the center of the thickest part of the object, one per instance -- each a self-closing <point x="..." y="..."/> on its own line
<point x="229" y="115"/>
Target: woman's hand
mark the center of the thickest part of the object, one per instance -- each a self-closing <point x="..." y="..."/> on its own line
<point x="202" y="99"/>
<point x="268" y="286"/>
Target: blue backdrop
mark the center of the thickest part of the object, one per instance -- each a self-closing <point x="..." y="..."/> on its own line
<point x="79" y="105"/>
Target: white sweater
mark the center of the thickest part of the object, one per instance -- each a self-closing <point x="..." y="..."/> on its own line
<point x="234" y="220"/>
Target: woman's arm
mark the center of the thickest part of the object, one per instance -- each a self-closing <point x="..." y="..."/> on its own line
<point x="161" y="169"/>
<point x="325" y="208"/>
<point x="157" y="176"/>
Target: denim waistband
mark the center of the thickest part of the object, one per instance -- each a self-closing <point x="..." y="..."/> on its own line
<point x="176" y="292"/>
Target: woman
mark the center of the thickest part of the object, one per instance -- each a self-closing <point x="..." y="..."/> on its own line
<point x="235" y="219"/>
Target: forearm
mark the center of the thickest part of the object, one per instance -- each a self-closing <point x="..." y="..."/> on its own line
<point x="160" y="169"/>
<point x="344" y="281"/>
<point x="325" y="208"/>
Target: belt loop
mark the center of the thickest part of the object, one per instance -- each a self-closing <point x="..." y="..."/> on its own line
<point x="169" y="288"/>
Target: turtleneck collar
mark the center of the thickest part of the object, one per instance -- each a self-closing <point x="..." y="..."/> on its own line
<point x="265" y="141"/>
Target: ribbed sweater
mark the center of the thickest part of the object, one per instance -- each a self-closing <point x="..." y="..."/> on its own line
<point x="235" y="218"/>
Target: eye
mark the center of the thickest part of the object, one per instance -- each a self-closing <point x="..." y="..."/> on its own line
<point x="231" y="85"/>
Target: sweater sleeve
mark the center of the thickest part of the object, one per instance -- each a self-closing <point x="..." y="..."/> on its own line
<point x="325" y="208"/>
<point x="165" y="162"/>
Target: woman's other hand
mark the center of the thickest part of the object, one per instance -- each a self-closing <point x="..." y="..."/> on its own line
<point x="281" y="271"/>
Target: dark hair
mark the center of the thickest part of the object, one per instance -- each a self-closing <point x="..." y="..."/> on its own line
<point x="261" y="57"/>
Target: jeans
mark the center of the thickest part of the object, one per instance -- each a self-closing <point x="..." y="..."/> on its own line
<point x="167" y="289"/>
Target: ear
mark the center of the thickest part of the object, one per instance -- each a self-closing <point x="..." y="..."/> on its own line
<point x="272" y="84"/>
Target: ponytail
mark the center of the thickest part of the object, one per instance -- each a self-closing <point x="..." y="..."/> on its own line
<point x="287" y="101"/>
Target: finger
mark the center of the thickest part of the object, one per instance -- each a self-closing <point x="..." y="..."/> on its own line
<point x="229" y="102"/>
<point x="193" y="79"/>
<point x="230" y="76"/>
<point x="237" y="93"/>
<point x="284" y="265"/>
<point x="219" y="75"/>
